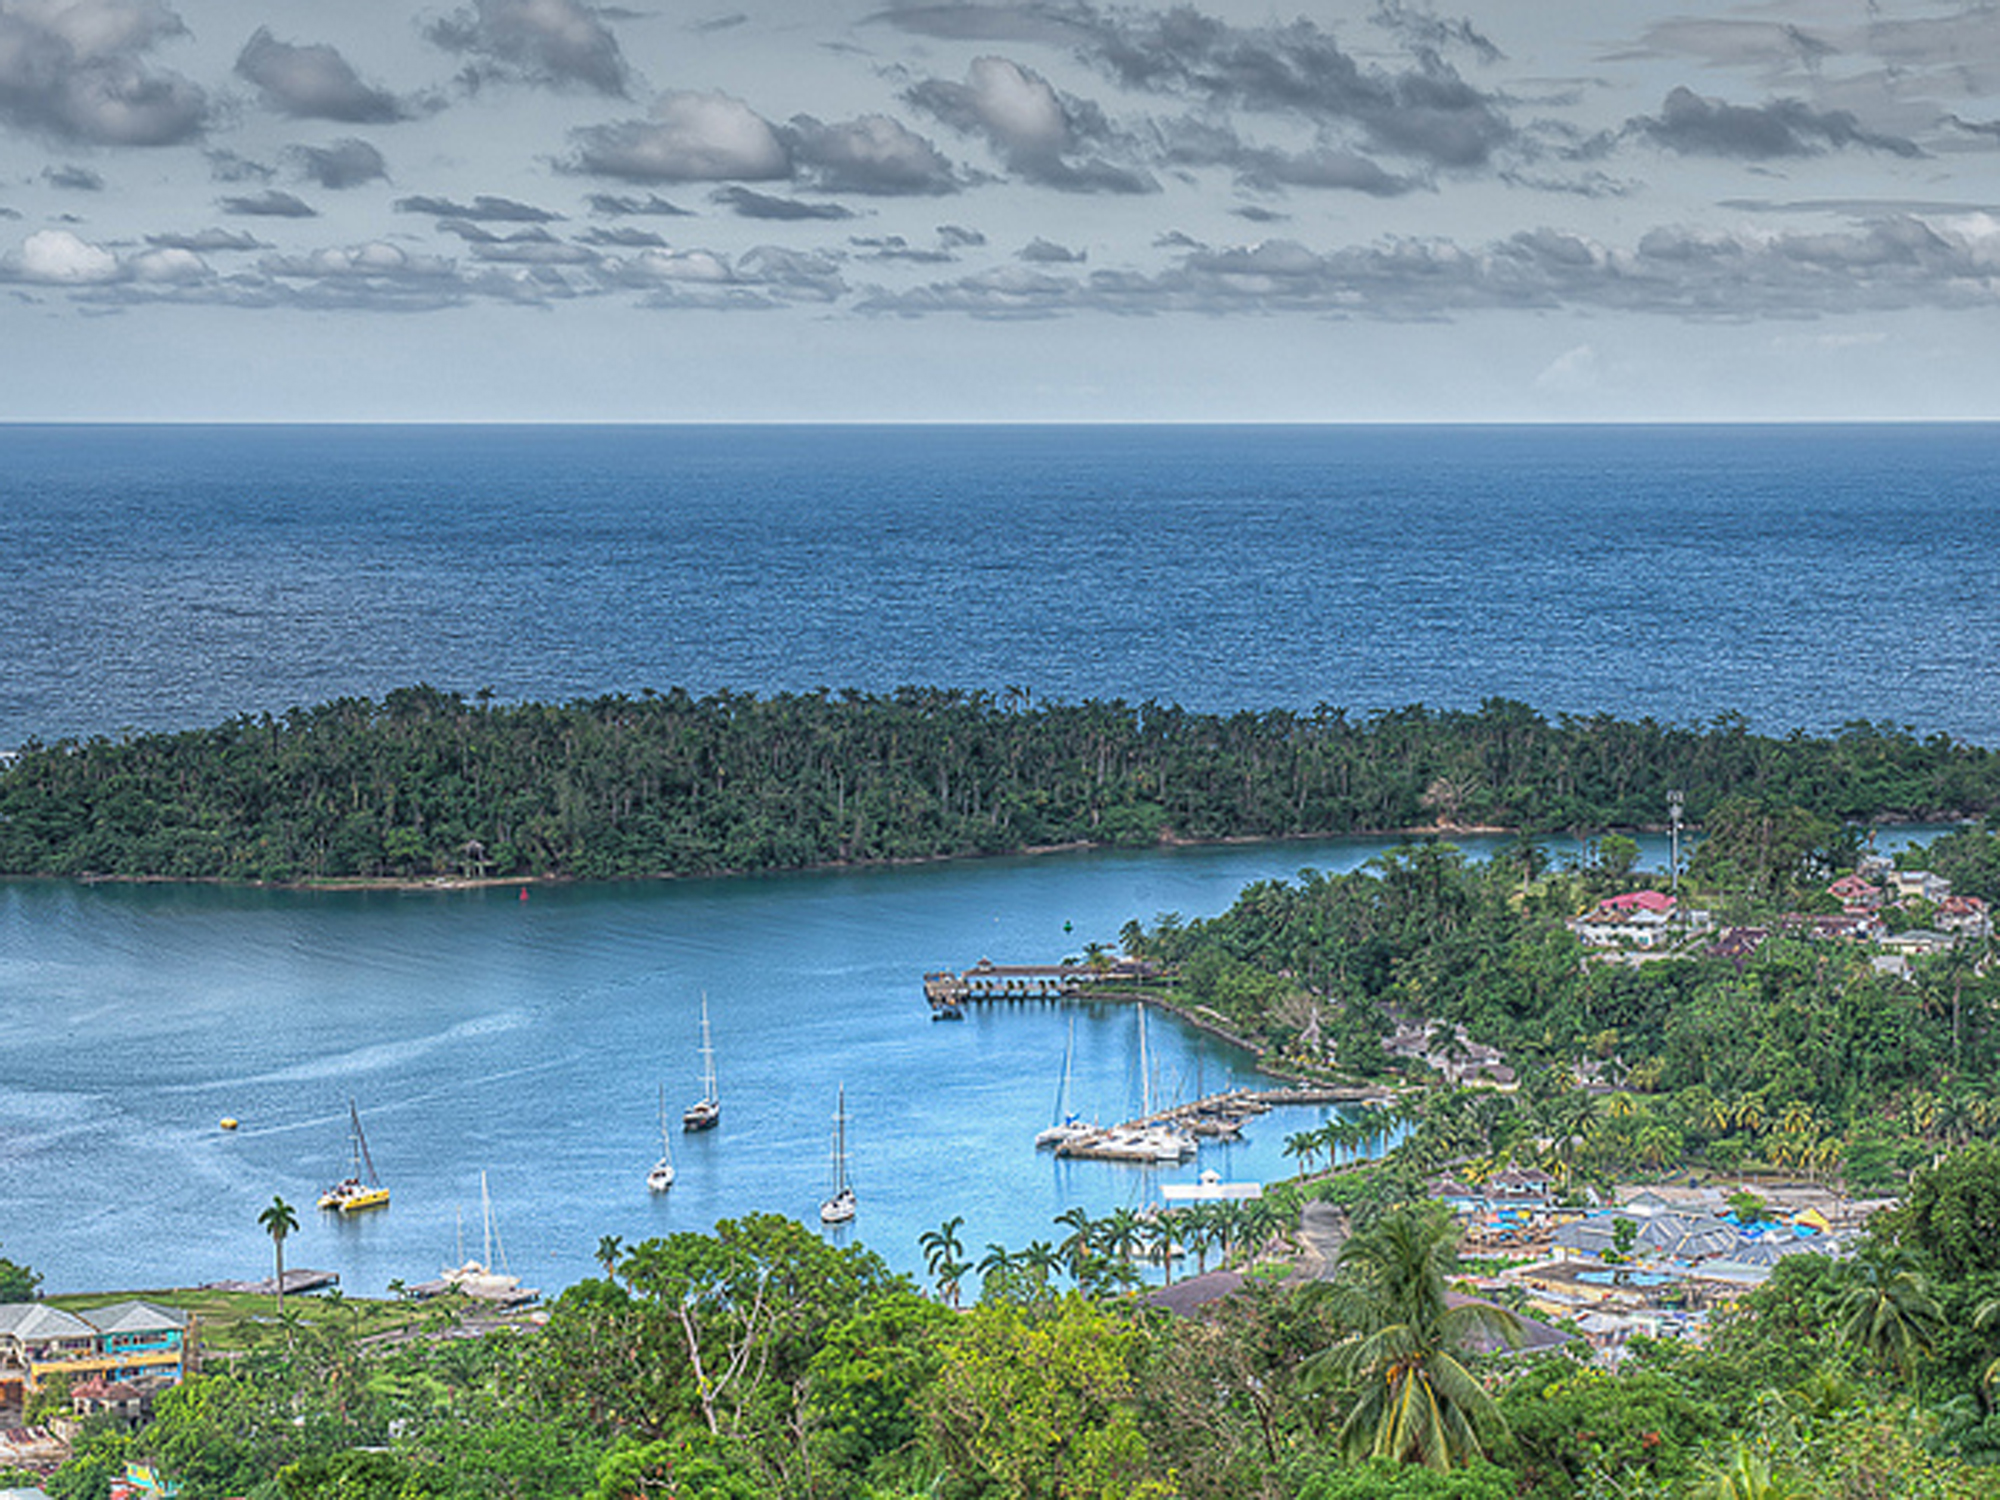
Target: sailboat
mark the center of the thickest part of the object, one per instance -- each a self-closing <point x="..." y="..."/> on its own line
<point x="1149" y="1142"/>
<point x="1066" y="1126"/>
<point x="706" y="1112"/>
<point x="840" y="1207"/>
<point x="477" y="1278"/>
<point x="662" y="1176"/>
<point x="354" y="1192"/>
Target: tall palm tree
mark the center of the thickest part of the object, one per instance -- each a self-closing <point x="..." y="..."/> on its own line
<point x="608" y="1248"/>
<point x="1418" y="1401"/>
<point x="1304" y="1144"/>
<point x="279" y="1220"/>
<point x="1888" y="1310"/>
<point x="1080" y="1243"/>
<point x="942" y="1249"/>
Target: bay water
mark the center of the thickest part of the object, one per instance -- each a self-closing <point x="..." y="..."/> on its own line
<point x="172" y="577"/>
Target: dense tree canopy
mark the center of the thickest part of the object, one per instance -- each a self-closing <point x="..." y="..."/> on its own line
<point x="427" y="782"/>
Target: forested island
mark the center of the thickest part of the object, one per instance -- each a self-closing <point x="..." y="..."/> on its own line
<point x="428" y="783"/>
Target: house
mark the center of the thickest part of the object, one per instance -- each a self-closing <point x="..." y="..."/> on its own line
<point x="1916" y="943"/>
<point x="1637" y="919"/>
<point x="96" y="1396"/>
<point x="128" y="1341"/>
<point x="1922" y="884"/>
<point x="1737" y="944"/>
<point x="1519" y="1187"/>
<point x="1965" y="915"/>
<point x="1852" y="891"/>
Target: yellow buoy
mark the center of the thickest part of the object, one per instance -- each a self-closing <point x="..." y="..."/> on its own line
<point x="229" y="1122"/>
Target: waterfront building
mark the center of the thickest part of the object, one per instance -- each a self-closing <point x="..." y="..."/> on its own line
<point x="138" y="1343"/>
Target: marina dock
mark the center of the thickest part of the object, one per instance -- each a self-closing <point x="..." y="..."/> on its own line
<point x="1217" y="1116"/>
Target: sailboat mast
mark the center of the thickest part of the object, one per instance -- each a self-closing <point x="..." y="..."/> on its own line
<point x="361" y="1143"/>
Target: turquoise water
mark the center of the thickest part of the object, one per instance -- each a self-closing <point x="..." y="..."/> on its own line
<point x="529" y="1039"/>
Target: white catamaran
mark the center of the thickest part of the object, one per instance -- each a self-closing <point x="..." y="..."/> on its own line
<point x="840" y="1207"/>
<point x="706" y="1112"/>
<point x="662" y="1176"/>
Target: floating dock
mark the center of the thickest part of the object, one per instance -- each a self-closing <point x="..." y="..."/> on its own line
<point x="1218" y="1116"/>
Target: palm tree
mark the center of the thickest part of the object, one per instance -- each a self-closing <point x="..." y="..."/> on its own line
<point x="1122" y="1234"/>
<point x="1418" y="1402"/>
<point x="942" y="1248"/>
<point x="1080" y="1243"/>
<point x="279" y="1220"/>
<point x="1888" y="1310"/>
<point x="1304" y="1144"/>
<point x="608" y="1249"/>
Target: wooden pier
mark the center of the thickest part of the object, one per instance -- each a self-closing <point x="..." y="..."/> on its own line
<point x="987" y="980"/>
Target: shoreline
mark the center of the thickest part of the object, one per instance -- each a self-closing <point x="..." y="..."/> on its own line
<point x="1036" y="851"/>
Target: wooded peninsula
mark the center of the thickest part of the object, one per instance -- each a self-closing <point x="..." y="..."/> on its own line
<point x="428" y="783"/>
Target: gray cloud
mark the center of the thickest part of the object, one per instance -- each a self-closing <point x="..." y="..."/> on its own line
<point x="624" y="237"/>
<point x="958" y="237"/>
<point x="227" y="166"/>
<point x="616" y="205"/>
<point x="872" y="154"/>
<point x="272" y="203"/>
<point x="78" y="179"/>
<point x="1692" y="125"/>
<point x="895" y="247"/>
<point x="1034" y="130"/>
<point x="754" y="205"/>
<point x="1421" y="30"/>
<point x="1255" y="213"/>
<point x="482" y="209"/>
<point x="313" y="82"/>
<point x="540" y="41"/>
<point x="207" y="241"/>
<point x="1041" y="252"/>
<point x="344" y="164"/>
<point x="692" y="137"/>
<point x="1425" y="110"/>
<point x="1894" y="264"/>
<point x="74" y="72"/>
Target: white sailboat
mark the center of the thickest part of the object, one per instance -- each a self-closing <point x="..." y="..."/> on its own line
<point x="1066" y="1126"/>
<point x="1160" y="1142"/>
<point x="477" y="1278"/>
<point x="706" y="1112"/>
<point x="840" y="1207"/>
<point x="662" y="1176"/>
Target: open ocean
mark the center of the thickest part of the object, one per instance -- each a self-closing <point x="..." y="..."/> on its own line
<point x="1804" y="576"/>
<point x="173" y="577"/>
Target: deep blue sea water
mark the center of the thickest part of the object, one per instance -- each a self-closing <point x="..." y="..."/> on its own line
<point x="1804" y="576"/>
<point x="157" y="578"/>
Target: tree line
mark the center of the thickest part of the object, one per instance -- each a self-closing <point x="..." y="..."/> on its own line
<point x="427" y="782"/>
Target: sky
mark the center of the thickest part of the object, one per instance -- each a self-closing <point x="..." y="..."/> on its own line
<point x="928" y="210"/>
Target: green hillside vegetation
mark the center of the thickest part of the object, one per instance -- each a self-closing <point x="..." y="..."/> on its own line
<point x="427" y="782"/>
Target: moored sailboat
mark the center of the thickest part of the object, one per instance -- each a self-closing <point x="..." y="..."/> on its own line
<point x="706" y="1112"/>
<point x="356" y="1192"/>
<point x="662" y="1176"/>
<point x="839" y="1208"/>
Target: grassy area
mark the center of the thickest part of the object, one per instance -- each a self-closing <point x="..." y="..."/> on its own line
<point x="229" y="1321"/>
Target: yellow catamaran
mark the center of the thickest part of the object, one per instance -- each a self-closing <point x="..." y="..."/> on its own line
<point x="356" y="1192"/>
